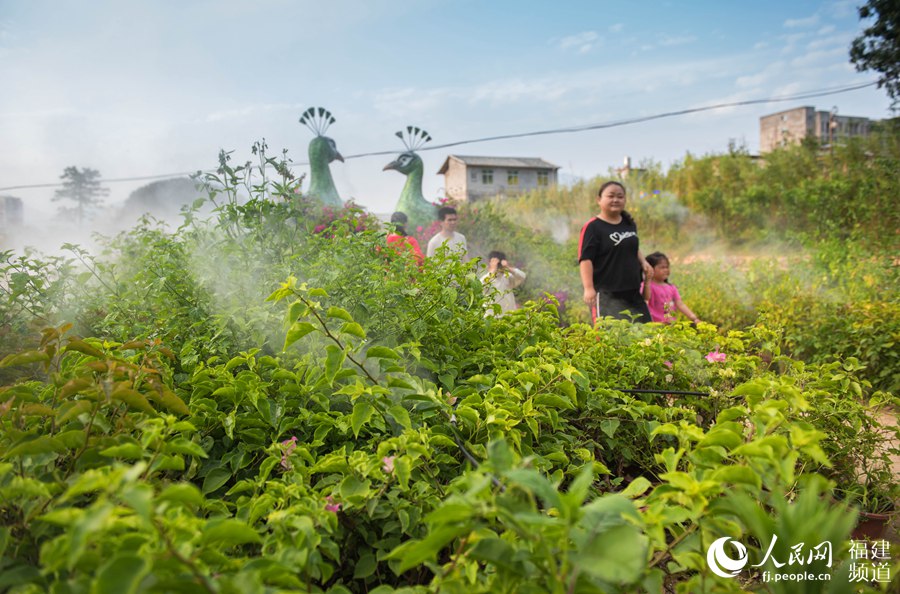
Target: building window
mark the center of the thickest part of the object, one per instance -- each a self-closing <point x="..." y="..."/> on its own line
<point x="512" y="177"/>
<point x="543" y="178"/>
<point x="487" y="176"/>
<point x="473" y="175"/>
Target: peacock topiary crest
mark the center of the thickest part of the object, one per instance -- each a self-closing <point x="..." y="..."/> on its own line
<point x="322" y="151"/>
<point x="317" y="119"/>
<point x="412" y="202"/>
<point x="414" y="138"/>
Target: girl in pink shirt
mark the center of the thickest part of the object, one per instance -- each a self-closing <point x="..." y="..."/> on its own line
<point x="662" y="298"/>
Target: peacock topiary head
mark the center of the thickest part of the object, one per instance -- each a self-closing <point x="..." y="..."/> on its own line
<point x="406" y="163"/>
<point x="324" y="150"/>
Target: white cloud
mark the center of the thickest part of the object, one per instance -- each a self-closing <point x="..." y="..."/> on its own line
<point x="819" y="58"/>
<point x="760" y="79"/>
<point x="667" y="41"/>
<point x="254" y="109"/>
<point x="802" y="23"/>
<point x="843" y="8"/>
<point x="826" y="30"/>
<point x="617" y="28"/>
<point x="411" y="102"/>
<point x="580" y="42"/>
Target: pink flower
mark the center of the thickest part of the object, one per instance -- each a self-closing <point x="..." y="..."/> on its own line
<point x="715" y="356"/>
<point x="669" y="363"/>
<point x="452" y="399"/>
<point x="318" y="228"/>
<point x="419" y="228"/>
<point x="388" y="465"/>
<point x="331" y="505"/>
<point x="289" y="446"/>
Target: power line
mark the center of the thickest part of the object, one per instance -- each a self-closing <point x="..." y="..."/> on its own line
<point x="583" y="128"/>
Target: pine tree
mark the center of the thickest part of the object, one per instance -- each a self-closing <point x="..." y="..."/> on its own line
<point x="83" y="187"/>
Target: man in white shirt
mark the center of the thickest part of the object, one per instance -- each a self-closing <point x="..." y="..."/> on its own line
<point x="448" y="235"/>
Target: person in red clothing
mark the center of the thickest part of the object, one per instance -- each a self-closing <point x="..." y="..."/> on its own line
<point x="610" y="260"/>
<point x="400" y="240"/>
<point x="661" y="296"/>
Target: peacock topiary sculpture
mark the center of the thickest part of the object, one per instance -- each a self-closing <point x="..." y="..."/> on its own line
<point x="322" y="151"/>
<point x="420" y="211"/>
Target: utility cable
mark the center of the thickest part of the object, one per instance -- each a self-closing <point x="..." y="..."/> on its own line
<point x="573" y="129"/>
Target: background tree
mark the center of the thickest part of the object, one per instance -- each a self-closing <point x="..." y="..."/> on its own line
<point x="163" y="199"/>
<point x="878" y="48"/>
<point x="82" y="187"/>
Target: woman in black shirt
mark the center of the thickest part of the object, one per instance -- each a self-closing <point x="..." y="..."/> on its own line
<point x="611" y="261"/>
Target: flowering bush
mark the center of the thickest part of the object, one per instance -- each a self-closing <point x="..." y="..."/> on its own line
<point x="304" y="414"/>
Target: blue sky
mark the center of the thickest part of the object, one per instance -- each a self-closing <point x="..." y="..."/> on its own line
<point x="142" y="88"/>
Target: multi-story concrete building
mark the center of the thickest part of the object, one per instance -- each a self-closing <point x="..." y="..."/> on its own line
<point x="469" y="178"/>
<point x="793" y="125"/>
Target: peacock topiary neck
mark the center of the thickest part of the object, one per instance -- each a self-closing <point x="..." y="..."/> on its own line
<point x="321" y="183"/>
<point x="412" y="190"/>
<point x="421" y="213"/>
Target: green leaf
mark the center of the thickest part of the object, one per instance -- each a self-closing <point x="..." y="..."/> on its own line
<point x="334" y="359"/>
<point x="354" y="490"/>
<point x="484" y="380"/>
<point x="139" y="496"/>
<point x="297" y="331"/>
<point x="415" y="552"/>
<point x="365" y="566"/>
<point x="403" y="471"/>
<point x="737" y="474"/>
<point x="450" y="513"/>
<point x="183" y="493"/>
<point x="76" y="344"/>
<point x="134" y="399"/>
<point x="128" y="451"/>
<point x="180" y="445"/>
<point x="72" y="410"/>
<point x="172" y="402"/>
<point x="228" y="532"/>
<point x="609" y="426"/>
<point x="497" y="552"/>
<point x="40" y="445"/>
<point x="608" y="546"/>
<point x="339" y="313"/>
<point x="381" y="352"/>
<point x="722" y="437"/>
<point x="362" y="412"/>
<point x="636" y="488"/>
<point x="615" y="555"/>
<point x="579" y="489"/>
<point x="64" y="516"/>
<point x="296" y="310"/>
<point x="92" y="521"/>
<point x="537" y="484"/>
<point x="401" y="415"/>
<point x="553" y="400"/>
<point x="215" y="479"/>
<point x="353" y="329"/>
<point x="24" y="358"/>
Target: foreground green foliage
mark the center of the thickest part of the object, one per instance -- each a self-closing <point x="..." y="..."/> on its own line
<point x="273" y="401"/>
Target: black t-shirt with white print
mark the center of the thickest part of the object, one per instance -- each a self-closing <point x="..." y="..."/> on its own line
<point x="613" y="251"/>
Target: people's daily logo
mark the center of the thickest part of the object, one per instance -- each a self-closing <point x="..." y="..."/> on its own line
<point x="721" y="562"/>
